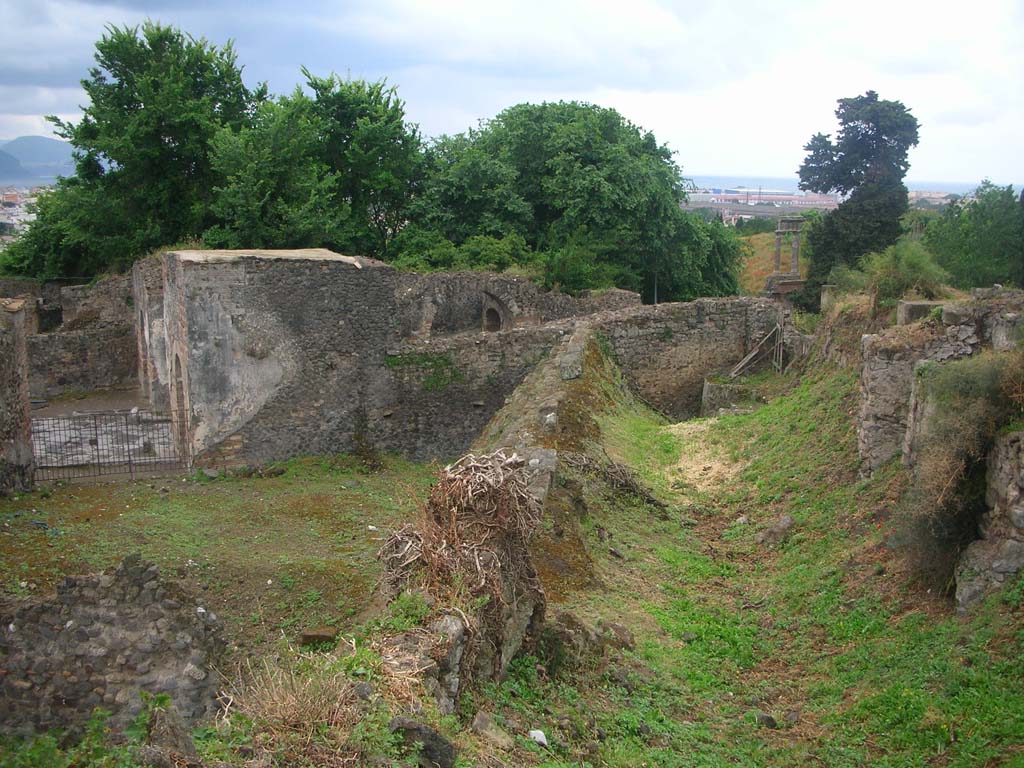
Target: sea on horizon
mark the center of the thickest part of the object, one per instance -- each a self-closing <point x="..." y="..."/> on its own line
<point x="791" y="183"/>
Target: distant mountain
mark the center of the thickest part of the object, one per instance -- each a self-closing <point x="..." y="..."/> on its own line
<point x="11" y="169"/>
<point x="40" y="157"/>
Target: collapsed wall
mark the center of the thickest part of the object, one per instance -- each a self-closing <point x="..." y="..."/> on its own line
<point x="991" y="320"/>
<point x="998" y="553"/>
<point x="93" y="348"/>
<point x="15" y="423"/>
<point x="101" y="641"/>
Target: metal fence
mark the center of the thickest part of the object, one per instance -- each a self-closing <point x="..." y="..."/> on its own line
<point x="104" y="443"/>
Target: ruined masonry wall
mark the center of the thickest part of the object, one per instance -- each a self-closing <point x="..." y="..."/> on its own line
<point x="667" y="350"/>
<point x="888" y="418"/>
<point x="150" y="337"/>
<point x="99" y="642"/>
<point x="108" y="301"/>
<point x="15" y="434"/>
<point x="89" y="359"/>
<point x="442" y="393"/>
<point x="302" y="354"/>
<point x="987" y="563"/>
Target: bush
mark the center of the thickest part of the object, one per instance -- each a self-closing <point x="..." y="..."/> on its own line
<point x="901" y="269"/>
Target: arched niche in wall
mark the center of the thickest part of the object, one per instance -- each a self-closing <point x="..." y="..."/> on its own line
<point x="496" y="315"/>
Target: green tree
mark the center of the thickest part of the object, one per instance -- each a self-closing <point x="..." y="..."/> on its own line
<point x="867" y="161"/>
<point x="980" y="240"/>
<point x="596" y="200"/>
<point x="144" y="176"/>
<point x="376" y="156"/>
<point x="277" y="192"/>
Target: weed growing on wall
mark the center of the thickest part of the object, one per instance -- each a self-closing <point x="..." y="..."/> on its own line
<point x="439" y="370"/>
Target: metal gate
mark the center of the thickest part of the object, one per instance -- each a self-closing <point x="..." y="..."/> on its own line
<point x="103" y="443"/>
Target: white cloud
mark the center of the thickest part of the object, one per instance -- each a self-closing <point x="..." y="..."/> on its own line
<point x="735" y="88"/>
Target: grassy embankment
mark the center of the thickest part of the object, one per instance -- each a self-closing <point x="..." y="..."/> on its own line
<point x="761" y="261"/>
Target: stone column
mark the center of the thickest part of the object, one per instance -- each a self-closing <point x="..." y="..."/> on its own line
<point x="795" y="262"/>
<point x="778" y="251"/>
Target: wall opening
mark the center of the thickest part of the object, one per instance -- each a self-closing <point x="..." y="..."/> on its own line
<point x="492" y="320"/>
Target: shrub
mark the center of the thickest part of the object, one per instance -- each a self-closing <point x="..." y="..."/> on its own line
<point x="901" y="269"/>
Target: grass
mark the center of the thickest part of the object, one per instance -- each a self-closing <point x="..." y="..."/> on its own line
<point x="271" y="555"/>
<point x="761" y="261"/>
<point x="827" y="631"/>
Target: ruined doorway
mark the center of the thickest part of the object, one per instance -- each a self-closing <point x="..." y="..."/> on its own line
<point x="492" y="320"/>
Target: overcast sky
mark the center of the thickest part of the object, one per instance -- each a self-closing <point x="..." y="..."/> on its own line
<point x="735" y="88"/>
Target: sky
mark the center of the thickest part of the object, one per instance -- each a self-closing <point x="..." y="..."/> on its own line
<point x="734" y="88"/>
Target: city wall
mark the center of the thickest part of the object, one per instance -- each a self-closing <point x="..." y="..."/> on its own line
<point x="276" y="354"/>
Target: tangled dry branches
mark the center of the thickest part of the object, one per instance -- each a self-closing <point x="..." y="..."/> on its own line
<point x="618" y="476"/>
<point x="473" y="541"/>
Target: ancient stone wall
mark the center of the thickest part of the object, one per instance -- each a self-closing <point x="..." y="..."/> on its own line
<point x="93" y="358"/>
<point x="16" y="287"/>
<point x="151" y="340"/>
<point x="15" y="425"/>
<point x="101" y="641"/>
<point x="455" y="302"/>
<point x="438" y="395"/>
<point x="106" y="302"/>
<point x="667" y="350"/>
<point x="281" y="357"/>
<point x="890" y="357"/>
<point x="999" y="552"/>
<point x="275" y="354"/>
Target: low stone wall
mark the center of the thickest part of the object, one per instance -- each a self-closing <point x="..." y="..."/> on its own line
<point x="95" y="358"/>
<point x="15" y="424"/>
<point x="101" y="641"/>
<point x="108" y="301"/>
<point x="666" y="351"/>
<point x="718" y="395"/>
<point x="988" y="562"/>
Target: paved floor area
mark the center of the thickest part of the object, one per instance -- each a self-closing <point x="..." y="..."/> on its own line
<point x="99" y="400"/>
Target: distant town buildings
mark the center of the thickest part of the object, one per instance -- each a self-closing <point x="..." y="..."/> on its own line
<point x="15" y="215"/>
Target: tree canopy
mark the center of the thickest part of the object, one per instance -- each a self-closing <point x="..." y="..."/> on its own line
<point x="867" y="161"/>
<point x="980" y="240"/>
<point x="174" y="147"/>
<point x="596" y="201"/>
<point x="144" y="176"/>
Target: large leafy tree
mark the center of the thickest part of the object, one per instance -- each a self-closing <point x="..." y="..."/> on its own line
<point x="144" y="174"/>
<point x="375" y="154"/>
<point x="597" y="201"/>
<point x="277" y="191"/>
<point x="866" y="161"/>
<point x="980" y="240"/>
